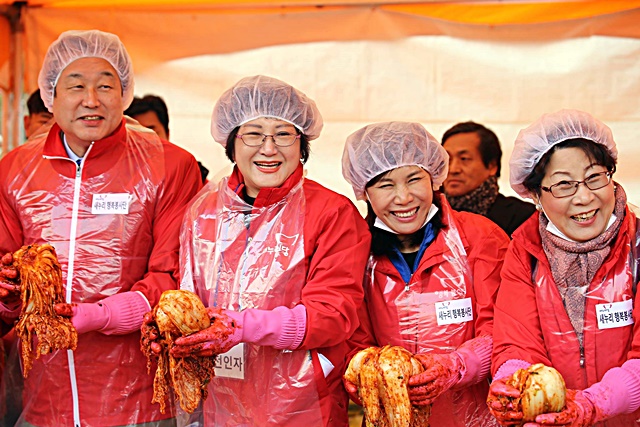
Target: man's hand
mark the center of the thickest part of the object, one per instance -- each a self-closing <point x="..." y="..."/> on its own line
<point x="9" y="281"/>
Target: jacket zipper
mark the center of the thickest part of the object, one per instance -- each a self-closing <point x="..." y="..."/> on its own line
<point x="70" y="270"/>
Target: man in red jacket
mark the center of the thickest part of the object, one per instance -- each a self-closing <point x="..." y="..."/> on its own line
<point x="110" y="198"/>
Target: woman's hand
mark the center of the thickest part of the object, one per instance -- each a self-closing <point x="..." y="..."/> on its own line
<point x="442" y="371"/>
<point x="578" y="412"/>
<point x="224" y="333"/>
<point x="500" y="405"/>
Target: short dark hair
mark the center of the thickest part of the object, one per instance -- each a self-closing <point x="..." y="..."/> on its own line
<point x="489" y="146"/>
<point x="150" y="103"/>
<point x="35" y="104"/>
<point x="305" y="147"/>
<point x="597" y="154"/>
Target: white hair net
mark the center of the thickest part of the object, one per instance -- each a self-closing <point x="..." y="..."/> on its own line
<point x="261" y="96"/>
<point x="73" y="45"/>
<point x="535" y="140"/>
<point x="381" y="147"/>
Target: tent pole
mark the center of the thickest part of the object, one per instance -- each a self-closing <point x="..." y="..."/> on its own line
<point x="15" y="130"/>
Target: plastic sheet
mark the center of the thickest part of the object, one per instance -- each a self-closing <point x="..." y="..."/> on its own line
<point x="237" y="256"/>
<point x="105" y="380"/>
<point x="415" y="315"/>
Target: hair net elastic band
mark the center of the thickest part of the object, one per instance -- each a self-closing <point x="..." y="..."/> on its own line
<point x="270" y="116"/>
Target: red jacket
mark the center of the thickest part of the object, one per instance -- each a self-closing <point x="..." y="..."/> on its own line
<point x="399" y="313"/>
<point x="114" y="253"/>
<point x="326" y="279"/>
<point x="532" y="324"/>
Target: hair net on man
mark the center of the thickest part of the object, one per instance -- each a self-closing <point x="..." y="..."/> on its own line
<point x="381" y="147"/>
<point x="535" y="140"/>
<point x="73" y="45"/>
<point x="261" y="96"/>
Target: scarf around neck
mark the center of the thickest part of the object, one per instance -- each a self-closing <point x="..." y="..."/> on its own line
<point x="574" y="264"/>
<point x="479" y="200"/>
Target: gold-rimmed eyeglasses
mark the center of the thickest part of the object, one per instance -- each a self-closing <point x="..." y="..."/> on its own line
<point x="256" y="139"/>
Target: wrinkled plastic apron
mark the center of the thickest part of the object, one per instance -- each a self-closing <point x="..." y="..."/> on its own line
<point x="610" y="345"/>
<point x="259" y="262"/>
<point x="419" y="331"/>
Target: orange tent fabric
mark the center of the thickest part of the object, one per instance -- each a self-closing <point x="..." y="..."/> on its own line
<point x="156" y="31"/>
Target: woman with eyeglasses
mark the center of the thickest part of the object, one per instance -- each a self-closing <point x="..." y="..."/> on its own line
<point x="567" y="296"/>
<point x="281" y="259"/>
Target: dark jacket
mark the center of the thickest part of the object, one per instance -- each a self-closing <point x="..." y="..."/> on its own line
<point x="510" y="212"/>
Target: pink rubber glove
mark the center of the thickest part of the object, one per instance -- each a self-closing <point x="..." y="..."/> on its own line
<point x="9" y="285"/>
<point x="352" y="391"/>
<point x="281" y="328"/>
<point x="442" y="371"/>
<point x="115" y="315"/>
<point x="578" y="412"/>
<point x="617" y="393"/>
<point x="500" y="406"/>
<point x="224" y="333"/>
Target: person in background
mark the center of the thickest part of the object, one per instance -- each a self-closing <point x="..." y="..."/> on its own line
<point x="568" y="293"/>
<point x="281" y="257"/>
<point x="38" y="114"/>
<point x="110" y="198"/>
<point x="151" y="112"/>
<point x="474" y="169"/>
<point x="433" y="273"/>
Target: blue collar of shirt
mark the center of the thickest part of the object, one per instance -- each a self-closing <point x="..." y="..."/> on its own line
<point x="399" y="262"/>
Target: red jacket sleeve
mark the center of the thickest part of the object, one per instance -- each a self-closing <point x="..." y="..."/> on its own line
<point x="517" y="333"/>
<point x="487" y="252"/>
<point x="181" y="183"/>
<point x="333" y="290"/>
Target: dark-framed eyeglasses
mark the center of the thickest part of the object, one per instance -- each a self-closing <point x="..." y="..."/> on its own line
<point x="594" y="181"/>
<point x="256" y="139"/>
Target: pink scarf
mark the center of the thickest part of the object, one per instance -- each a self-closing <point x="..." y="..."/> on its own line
<point x="573" y="264"/>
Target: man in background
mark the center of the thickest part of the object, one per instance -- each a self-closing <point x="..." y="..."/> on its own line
<point x="151" y="112"/>
<point x="474" y="169"/>
<point x="38" y="114"/>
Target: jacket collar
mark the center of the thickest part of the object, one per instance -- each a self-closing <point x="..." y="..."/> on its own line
<point x="103" y="155"/>
<point x="266" y="196"/>
<point x="528" y="235"/>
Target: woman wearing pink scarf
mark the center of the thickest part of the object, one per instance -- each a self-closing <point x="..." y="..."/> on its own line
<point x="569" y="278"/>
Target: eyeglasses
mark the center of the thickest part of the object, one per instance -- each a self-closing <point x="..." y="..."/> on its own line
<point x="569" y="188"/>
<point x="256" y="139"/>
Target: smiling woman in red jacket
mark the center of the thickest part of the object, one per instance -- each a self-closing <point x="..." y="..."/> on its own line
<point x="280" y="255"/>
<point x="568" y="284"/>
<point x="433" y="273"/>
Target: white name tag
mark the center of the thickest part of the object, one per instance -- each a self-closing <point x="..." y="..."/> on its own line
<point x="110" y="203"/>
<point x="615" y="314"/>
<point x="230" y="364"/>
<point x="454" y="311"/>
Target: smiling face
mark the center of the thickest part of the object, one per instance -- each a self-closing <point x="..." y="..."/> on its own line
<point x="402" y="199"/>
<point x="266" y="166"/>
<point x="584" y="215"/>
<point x="87" y="104"/>
<point x="467" y="171"/>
